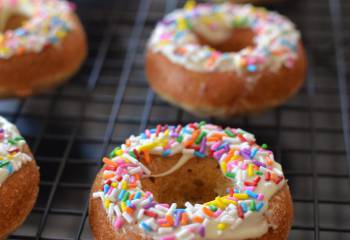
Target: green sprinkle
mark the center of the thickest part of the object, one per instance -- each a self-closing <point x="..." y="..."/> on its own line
<point x="264" y="146"/>
<point x="112" y="154"/>
<point x="259" y="173"/>
<point x="18" y="138"/>
<point x="179" y="139"/>
<point x="126" y="197"/>
<point x="131" y="153"/>
<point x="202" y="123"/>
<point x="213" y="208"/>
<point x="229" y="133"/>
<point x="240" y="22"/>
<point x="252" y="206"/>
<point x="200" y="137"/>
<point x="11" y="142"/>
<point x="4" y="163"/>
<point x="230" y="175"/>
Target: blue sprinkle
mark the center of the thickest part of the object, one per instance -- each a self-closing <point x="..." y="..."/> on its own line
<point x="146" y="227"/>
<point x="105" y="188"/>
<point x="253" y="153"/>
<point x="251" y="68"/>
<point x="166" y="153"/>
<point x="20" y="32"/>
<point x="199" y="154"/>
<point x="143" y="136"/>
<point x="10" y="168"/>
<point x="121" y="194"/>
<point x="137" y="195"/>
<point x="153" y="130"/>
<point x="251" y="194"/>
<point x="244" y="207"/>
<point x="259" y="206"/>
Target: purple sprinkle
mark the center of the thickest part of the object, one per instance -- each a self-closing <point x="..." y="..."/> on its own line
<point x="177" y="219"/>
<point x="203" y="144"/>
<point x="201" y="231"/>
<point x="149" y="205"/>
<point x="260" y="164"/>
<point x="245" y="153"/>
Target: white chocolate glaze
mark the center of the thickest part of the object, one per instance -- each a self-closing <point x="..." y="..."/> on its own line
<point x="12" y="156"/>
<point x="254" y="174"/>
<point x="275" y="38"/>
<point x="48" y="22"/>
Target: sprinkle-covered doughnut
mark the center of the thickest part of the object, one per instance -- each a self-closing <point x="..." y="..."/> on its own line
<point x="275" y="38"/>
<point x="254" y="178"/>
<point x="12" y="145"/>
<point x="48" y="23"/>
<point x="215" y="59"/>
<point x="19" y="179"/>
<point x="42" y="43"/>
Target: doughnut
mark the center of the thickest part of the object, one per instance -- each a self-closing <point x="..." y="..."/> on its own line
<point x="198" y="181"/>
<point x="42" y="43"/>
<point x="19" y="179"/>
<point x="225" y="59"/>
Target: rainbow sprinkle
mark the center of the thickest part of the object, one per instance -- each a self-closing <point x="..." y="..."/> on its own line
<point x="254" y="174"/>
<point x="11" y="150"/>
<point x="275" y="38"/>
<point x="49" y="22"/>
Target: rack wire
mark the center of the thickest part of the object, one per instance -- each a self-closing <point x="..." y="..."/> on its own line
<point x="71" y="128"/>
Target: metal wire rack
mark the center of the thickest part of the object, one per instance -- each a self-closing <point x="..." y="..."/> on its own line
<point x="71" y="128"/>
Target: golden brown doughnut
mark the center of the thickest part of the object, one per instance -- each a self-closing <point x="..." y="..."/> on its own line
<point x="185" y="173"/>
<point x="38" y="59"/>
<point x="247" y="69"/>
<point x="19" y="179"/>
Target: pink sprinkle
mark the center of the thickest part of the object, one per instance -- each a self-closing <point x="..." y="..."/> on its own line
<point x="119" y="222"/>
<point x="168" y="238"/>
<point x="218" y="213"/>
<point x="251" y="188"/>
<point x="260" y="197"/>
<point x="244" y="166"/>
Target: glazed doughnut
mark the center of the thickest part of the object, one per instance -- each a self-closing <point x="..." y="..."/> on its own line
<point x="42" y="43"/>
<point x="225" y="59"/>
<point x="193" y="182"/>
<point x="19" y="179"/>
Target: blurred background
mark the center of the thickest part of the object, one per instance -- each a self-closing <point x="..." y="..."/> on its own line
<point x="71" y="128"/>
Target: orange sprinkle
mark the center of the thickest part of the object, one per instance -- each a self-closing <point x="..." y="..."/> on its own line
<point x="208" y="212"/>
<point x="170" y="219"/>
<point x="132" y="196"/>
<point x="129" y="210"/>
<point x="229" y="155"/>
<point x="193" y="138"/>
<point x="110" y="175"/>
<point x="132" y="185"/>
<point x="109" y="162"/>
<point x="269" y="161"/>
<point x="184" y="219"/>
<point x="213" y="139"/>
<point x="197" y="219"/>
<point x="146" y="156"/>
<point x="127" y="142"/>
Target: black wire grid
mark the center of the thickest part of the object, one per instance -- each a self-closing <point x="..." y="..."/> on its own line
<point x="71" y="128"/>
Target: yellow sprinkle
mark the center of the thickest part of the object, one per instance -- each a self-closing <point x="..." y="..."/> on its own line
<point x="181" y="24"/>
<point x="123" y="206"/>
<point x="148" y="146"/>
<point x="119" y="152"/>
<point x="124" y="185"/>
<point x="61" y="34"/>
<point x="220" y="203"/>
<point x="223" y="167"/>
<point x="190" y="4"/>
<point x="107" y="203"/>
<point x="251" y="170"/>
<point x="114" y="184"/>
<point x="222" y="226"/>
<point x="228" y="201"/>
<point x="241" y="196"/>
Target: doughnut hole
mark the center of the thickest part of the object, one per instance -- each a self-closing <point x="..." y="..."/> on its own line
<point x="234" y="41"/>
<point x="13" y="22"/>
<point x="198" y="181"/>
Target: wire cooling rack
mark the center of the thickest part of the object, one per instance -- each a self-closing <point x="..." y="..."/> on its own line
<point x="71" y="128"/>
